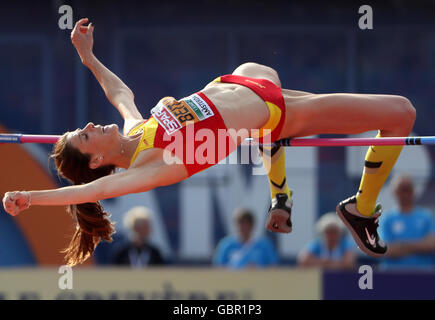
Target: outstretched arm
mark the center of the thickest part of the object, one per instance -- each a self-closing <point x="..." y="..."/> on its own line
<point x="133" y="180"/>
<point x="152" y="174"/>
<point x="116" y="91"/>
<point x="114" y="185"/>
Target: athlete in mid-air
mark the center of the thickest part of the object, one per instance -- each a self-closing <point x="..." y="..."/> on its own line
<point x="250" y="102"/>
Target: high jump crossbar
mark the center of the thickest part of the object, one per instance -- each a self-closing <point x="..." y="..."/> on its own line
<point x="289" y="142"/>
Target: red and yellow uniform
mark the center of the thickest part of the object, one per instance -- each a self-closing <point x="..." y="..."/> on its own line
<point x="271" y="95"/>
<point x="176" y="125"/>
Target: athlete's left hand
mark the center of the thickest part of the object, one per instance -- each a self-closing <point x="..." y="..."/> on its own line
<point x="83" y="40"/>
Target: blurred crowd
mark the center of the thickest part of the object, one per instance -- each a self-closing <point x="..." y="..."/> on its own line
<point x="138" y="251"/>
<point x="408" y="230"/>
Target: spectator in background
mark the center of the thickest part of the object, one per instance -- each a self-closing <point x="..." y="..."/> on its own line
<point x="408" y="230"/>
<point x="244" y="251"/>
<point x="138" y="253"/>
<point x="332" y="248"/>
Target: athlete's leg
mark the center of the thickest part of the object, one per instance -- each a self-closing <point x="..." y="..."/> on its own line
<point x="273" y="158"/>
<point x="351" y="114"/>
<point x="274" y="161"/>
<point x="341" y="113"/>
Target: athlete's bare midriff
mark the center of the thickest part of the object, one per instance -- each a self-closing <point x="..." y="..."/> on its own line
<point x="239" y="106"/>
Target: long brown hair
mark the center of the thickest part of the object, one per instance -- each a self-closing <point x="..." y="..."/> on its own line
<point x="92" y="222"/>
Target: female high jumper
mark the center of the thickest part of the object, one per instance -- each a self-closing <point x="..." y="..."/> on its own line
<point x="250" y="102"/>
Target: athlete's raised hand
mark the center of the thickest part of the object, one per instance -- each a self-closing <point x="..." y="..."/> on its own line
<point x="82" y="39"/>
<point x="16" y="201"/>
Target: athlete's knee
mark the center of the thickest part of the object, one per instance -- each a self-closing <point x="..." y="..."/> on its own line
<point x="404" y="114"/>
<point x="407" y="110"/>
<point x="410" y="109"/>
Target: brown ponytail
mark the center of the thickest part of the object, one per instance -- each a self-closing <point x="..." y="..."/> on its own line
<point x="92" y="222"/>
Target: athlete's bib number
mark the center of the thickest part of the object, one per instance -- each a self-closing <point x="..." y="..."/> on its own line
<point x="181" y="111"/>
<point x="172" y="114"/>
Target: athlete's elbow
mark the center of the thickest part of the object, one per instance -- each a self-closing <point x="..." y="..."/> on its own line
<point x="99" y="191"/>
<point x="108" y="192"/>
<point x="145" y="188"/>
<point x="122" y="95"/>
<point x="125" y="93"/>
<point x="96" y="194"/>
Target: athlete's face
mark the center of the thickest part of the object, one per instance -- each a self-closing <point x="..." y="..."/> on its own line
<point x="95" y="140"/>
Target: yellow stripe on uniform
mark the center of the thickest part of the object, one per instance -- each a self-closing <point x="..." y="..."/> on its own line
<point x="274" y="117"/>
<point x="149" y="129"/>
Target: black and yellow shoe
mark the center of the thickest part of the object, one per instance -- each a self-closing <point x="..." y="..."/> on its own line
<point x="279" y="218"/>
<point x="363" y="228"/>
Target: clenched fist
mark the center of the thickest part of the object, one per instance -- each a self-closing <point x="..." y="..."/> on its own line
<point x="16" y="201"/>
<point x="83" y="40"/>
